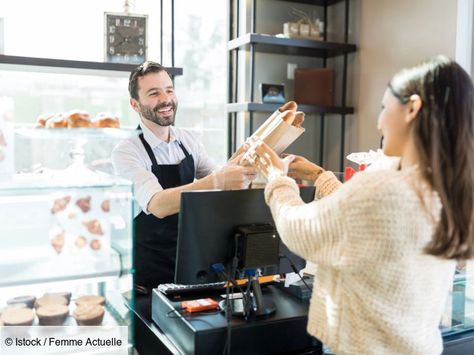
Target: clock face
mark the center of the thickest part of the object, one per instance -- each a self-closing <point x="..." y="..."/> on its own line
<point x="125" y="38"/>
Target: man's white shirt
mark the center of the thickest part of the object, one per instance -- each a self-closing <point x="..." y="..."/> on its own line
<point x="132" y="162"/>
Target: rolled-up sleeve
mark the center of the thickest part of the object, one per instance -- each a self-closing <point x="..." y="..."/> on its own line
<point x="131" y="165"/>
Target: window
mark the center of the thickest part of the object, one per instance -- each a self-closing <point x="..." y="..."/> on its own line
<point x="75" y="31"/>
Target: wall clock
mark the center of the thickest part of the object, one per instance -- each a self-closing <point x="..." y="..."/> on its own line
<point x="125" y="38"/>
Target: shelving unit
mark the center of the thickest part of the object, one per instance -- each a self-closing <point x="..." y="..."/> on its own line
<point x="73" y="64"/>
<point x="281" y="45"/>
<point x="265" y="107"/>
<point x="254" y="42"/>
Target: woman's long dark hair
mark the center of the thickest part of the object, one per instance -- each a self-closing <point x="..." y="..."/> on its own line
<point x="444" y="138"/>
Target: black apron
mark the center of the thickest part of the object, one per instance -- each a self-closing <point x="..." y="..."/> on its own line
<point x="156" y="238"/>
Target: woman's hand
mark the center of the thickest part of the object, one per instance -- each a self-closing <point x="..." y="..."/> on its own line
<point x="302" y="169"/>
<point x="269" y="163"/>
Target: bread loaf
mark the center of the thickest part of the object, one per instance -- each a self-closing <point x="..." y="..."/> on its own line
<point x="56" y="121"/>
<point x="289" y="106"/>
<point x="77" y="119"/>
<point x="288" y="117"/>
<point x="299" y="119"/>
<point x="105" y="120"/>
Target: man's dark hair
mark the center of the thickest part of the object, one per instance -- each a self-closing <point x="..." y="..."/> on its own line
<point x="142" y="70"/>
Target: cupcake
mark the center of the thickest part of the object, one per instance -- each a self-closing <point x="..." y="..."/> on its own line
<point x="66" y="295"/>
<point x="14" y="306"/>
<point x="89" y="314"/>
<point x="52" y="314"/>
<point x="18" y="316"/>
<point x="90" y="299"/>
<point x="47" y="300"/>
<point x="29" y="301"/>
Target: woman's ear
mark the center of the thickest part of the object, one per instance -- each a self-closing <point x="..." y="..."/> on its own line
<point x="134" y="104"/>
<point x="414" y="106"/>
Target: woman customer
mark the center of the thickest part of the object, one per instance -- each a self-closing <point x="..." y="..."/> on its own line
<point x="385" y="243"/>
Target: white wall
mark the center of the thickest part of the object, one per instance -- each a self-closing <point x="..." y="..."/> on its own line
<point x="392" y="35"/>
<point x="389" y="35"/>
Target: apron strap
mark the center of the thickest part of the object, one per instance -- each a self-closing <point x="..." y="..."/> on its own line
<point x="148" y="150"/>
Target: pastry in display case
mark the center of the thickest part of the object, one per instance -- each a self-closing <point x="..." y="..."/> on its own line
<point x="66" y="225"/>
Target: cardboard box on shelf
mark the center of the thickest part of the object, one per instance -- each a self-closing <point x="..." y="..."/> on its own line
<point x="314" y="86"/>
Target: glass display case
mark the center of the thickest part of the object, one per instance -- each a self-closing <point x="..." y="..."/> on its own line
<point x="458" y="316"/>
<point x="66" y="223"/>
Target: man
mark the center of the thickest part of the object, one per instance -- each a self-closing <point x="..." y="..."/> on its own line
<point x="162" y="162"/>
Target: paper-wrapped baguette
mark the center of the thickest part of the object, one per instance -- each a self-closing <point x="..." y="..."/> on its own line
<point x="299" y="119"/>
<point x="280" y="129"/>
<point x="288" y="117"/>
<point x="267" y="126"/>
<point x="289" y="106"/>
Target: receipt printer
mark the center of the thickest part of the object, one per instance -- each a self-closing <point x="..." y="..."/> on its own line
<point x="258" y="245"/>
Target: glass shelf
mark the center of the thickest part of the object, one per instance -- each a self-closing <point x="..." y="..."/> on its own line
<point x="76" y="133"/>
<point x="50" y="179"/>
<point x="24" y="266"/>
<point x="75" y="153"/>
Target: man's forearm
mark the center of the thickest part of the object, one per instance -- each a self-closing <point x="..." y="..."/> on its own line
<point x="166" y="202"/>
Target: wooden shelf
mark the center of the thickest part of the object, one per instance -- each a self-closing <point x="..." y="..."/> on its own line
<point x="261" y="107"/>
<point x="75" y="64"/>
<point x="291" y="46"/>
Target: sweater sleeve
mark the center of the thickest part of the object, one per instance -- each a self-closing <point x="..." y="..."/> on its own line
<point x="326" y="184"/>
<point x="350" y="228"/>
<point x="315" y="231"/>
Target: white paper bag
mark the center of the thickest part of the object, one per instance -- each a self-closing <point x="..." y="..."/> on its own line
<point x="276" y="133"/>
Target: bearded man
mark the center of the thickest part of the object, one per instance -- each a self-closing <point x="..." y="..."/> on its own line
<point x="163" y="161"/>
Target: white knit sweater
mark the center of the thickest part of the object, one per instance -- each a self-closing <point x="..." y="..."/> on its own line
<point x="375" y="292"/>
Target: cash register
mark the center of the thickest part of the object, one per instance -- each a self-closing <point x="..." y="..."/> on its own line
<point x="225" y="236"/>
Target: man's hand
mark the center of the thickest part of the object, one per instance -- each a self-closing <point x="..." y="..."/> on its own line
<point x="236" y="160"/>
<point x="234" y="177"/>
<point x="268" y="162"/>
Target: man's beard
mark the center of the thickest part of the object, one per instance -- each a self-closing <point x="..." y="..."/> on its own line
<point x="153" y="115"/>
